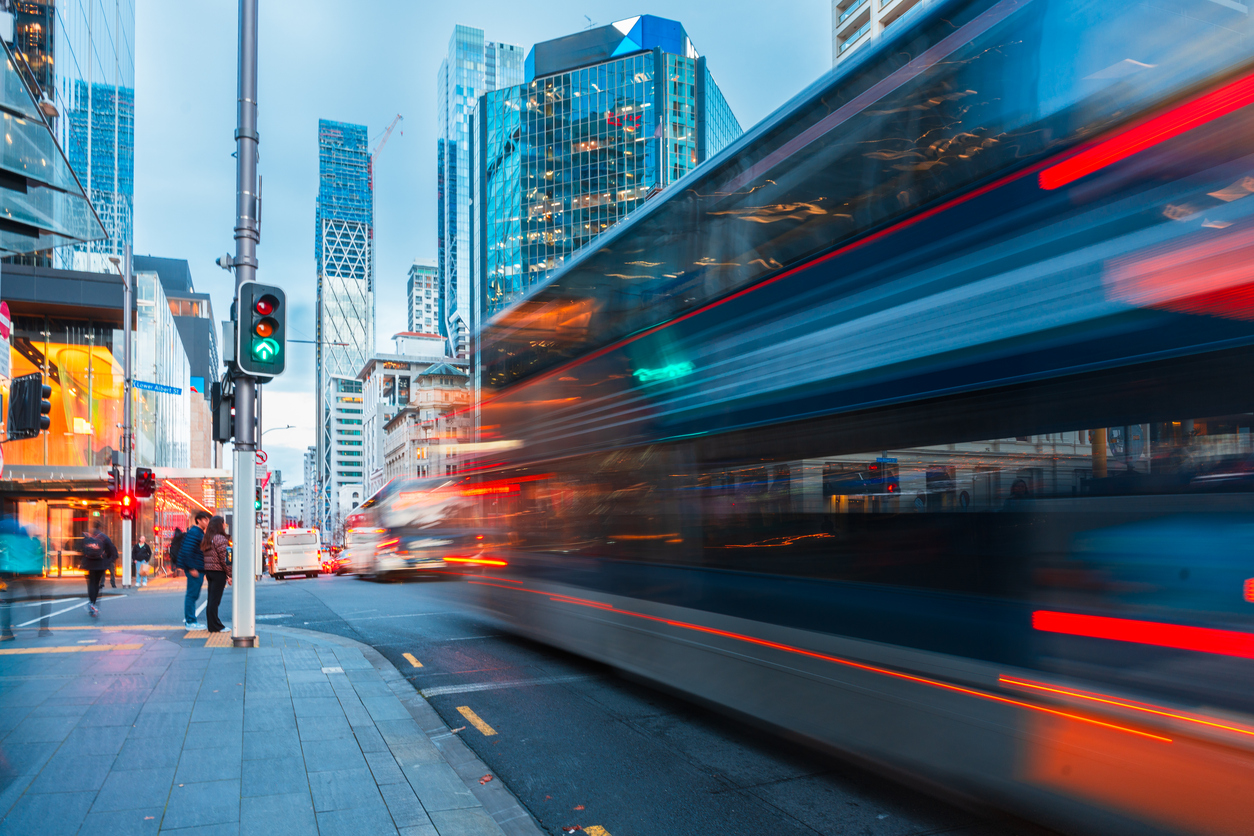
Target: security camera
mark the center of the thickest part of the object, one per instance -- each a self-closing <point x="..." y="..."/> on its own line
<point x="226" y="262"/>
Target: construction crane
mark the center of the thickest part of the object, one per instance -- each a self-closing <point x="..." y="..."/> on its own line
<point x="378" y="149"/>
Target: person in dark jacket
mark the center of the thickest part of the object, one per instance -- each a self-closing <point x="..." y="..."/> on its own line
<point x="99" y="555"/>
<point x="141" y="554"/>
<point x="214" y="547"/>
<point x="192" y="563"/>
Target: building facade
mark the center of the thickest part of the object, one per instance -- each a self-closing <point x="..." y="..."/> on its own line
<point x="344" y="256"/>
<point x="161" y="373"/>
<point x="294" y="507"/>
<point x="856" y="23"/>
<point x="309" y="487"/>
<point x="390" y="383"/>
<point x="605" y="119"/>
<point x="80" y="58"/>
<point x="423" y="292"/>
<point x="472" y="67"/>
<point x="426" y="437"/>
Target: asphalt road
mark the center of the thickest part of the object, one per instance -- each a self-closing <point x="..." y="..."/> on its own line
<point x="578" y="744"/>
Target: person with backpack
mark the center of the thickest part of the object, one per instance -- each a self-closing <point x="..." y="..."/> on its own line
<point x="192" y="562"/>
<point x="172" y="552"/>
<point x="99" y="554"/>
<point x="215" y="547"/>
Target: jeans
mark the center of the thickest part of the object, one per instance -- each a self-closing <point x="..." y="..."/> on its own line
<point x="95" y="578"/>
<point x="217" y="583"/>
<point x="193" y="593"/>
<point x="141" y="566"/>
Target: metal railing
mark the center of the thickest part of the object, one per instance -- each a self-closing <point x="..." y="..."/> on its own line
<point x="856" y="36"/>
<point x="851" y="10"/>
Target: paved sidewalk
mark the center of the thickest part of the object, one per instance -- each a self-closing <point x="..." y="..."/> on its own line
<point x="148" y="729"/>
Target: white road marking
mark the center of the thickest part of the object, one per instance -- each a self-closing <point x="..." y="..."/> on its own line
<point x="202" y="606"/>
<point x="497" y="686"/>
<point x="54" y="601"/>
<point x="58" y="612"/>
<point x="468" y="638"/>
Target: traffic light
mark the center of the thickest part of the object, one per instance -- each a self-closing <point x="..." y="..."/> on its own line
<point x="145" y="482"/>
<point x="257" y="501"/>
<point x="223" y="409"/>
<point x="28" y="406"/>
<point x="127" y="506"/>
<point x="115" y="483"/>
<point x="261" y="333"/>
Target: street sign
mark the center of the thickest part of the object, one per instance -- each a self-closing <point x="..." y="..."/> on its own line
<point x="156" y="387"/>
<point x="6" y="331"/>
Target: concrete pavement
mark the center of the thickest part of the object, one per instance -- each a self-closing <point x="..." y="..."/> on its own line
<point x="149" y="729"/>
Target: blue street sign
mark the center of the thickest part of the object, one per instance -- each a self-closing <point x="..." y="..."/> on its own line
<point x="156" y="387"/>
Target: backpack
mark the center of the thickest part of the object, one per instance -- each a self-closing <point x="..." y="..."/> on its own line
<point x="93" y="549"/>
<point x="176" y="546"/>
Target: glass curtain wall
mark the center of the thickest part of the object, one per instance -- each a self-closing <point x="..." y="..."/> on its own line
<point x="162" y="419"/>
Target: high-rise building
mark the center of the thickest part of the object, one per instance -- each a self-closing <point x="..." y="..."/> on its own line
<point x="344" y="256"/>
<point x="78" y="59"/>
<point x="856" y="23"/>
<point x="309" y="497"/>
<point x="606" y="118"/>
<point x="473" y="66"/>
<point x="423" y="291"/>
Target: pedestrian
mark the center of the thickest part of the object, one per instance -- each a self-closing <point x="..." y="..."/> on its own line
<point x="215" y="549"/>
<point x="192" y="563"/>
<point x="21" y="564"/>
<point x="141" y="554"/>
<point x="172" y="553"/>
<point x="99" y="555"/>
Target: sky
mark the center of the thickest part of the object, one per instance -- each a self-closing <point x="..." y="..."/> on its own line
<point x="366" y="61"/>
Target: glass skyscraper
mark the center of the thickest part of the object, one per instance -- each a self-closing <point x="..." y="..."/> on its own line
<point x="473" y="66"/>
<point x="79" y="57"/>
<point x="423" y="292"/>
<point x="606" y="118"/>
<point x="344" y="256"/>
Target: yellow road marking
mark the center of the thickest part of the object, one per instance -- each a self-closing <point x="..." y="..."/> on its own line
<point x="113" y="628"/>
<point x="409" y="657"/>
<point x="78" y="648"/>
<point x="475" y="720"/>
<point x="596" y="830"/>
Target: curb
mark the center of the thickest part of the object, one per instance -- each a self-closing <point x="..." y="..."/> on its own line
<point x="497" y="800"/>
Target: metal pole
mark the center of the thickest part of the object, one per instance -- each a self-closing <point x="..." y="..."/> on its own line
<point x="127" y="423"/>
<point x="243" y="601"/>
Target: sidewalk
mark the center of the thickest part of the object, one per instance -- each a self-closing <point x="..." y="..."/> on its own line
<point x="149" y="729"/>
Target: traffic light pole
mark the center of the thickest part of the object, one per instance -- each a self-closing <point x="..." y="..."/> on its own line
<point x="127" y="443"/>
<point x="247" y="234"/>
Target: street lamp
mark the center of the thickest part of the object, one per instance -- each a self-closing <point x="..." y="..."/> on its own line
<point x="272" y="429"/>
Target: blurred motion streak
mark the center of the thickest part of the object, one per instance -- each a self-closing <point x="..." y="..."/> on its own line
<point x="1209" y="273"/>
<point x="1200" y="639"/>
<point x="1151" y="132"/>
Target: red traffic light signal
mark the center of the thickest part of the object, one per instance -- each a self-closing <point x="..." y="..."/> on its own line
<point x="127" y="507"/>
<point x="265" y="305"/>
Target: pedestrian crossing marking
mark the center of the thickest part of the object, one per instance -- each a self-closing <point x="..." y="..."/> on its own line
<point x="78" y="648"/>
<point x="409" y="657"/>
<point x="114" y="628"/>
<point x="475" y="720"/>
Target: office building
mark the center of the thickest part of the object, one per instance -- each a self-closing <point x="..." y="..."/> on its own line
<point x="390" y="382"/>
<point x="293" y="507"/>
<point x="193" y="316"/>
<point x="472" y="67"/>
<point x="309" y="487"/>
<point x="426" y="437"/>
<point x="344" y="257"/>
<point x="606" y="118"/>
<point x="79" y="58"/>
<point x="856" y="23"/>
<point x="423" y="292"/>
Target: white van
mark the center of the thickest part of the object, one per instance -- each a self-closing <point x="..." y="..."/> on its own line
<point x="297" y="551"/>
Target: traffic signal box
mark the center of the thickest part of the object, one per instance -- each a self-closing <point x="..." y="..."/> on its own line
<point x="29" y="406"/>
<point x="261" y="332"/>
<point x="145" y="482"/>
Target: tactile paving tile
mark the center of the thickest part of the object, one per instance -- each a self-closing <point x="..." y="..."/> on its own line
<point x="198" y="634"/>
<point x="222" y="639"/>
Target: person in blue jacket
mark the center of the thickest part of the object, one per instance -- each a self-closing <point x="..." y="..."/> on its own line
<point x="192" y="562"/>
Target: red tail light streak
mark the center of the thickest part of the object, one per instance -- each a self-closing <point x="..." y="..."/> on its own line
<point x="478" y="561"/>
<point x="1123" y="144"/>
<point x="1178" y="636"/>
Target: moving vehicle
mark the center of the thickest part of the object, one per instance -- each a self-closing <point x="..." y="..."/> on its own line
<point x="420" y="527"/>
<point x="297" y="551"/>
<point x="915" y="423"/>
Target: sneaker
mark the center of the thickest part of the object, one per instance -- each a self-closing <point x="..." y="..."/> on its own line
<point x="8" y="637"/>
<point x="94" y="610"/>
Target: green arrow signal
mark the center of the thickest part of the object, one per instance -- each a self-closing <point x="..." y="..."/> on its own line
<point x="265" y="350"/>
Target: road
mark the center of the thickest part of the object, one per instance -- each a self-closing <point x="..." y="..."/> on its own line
<point x="578" y="744"/>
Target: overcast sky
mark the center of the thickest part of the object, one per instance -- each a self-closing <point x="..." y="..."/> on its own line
<point x="365" y="61"/>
